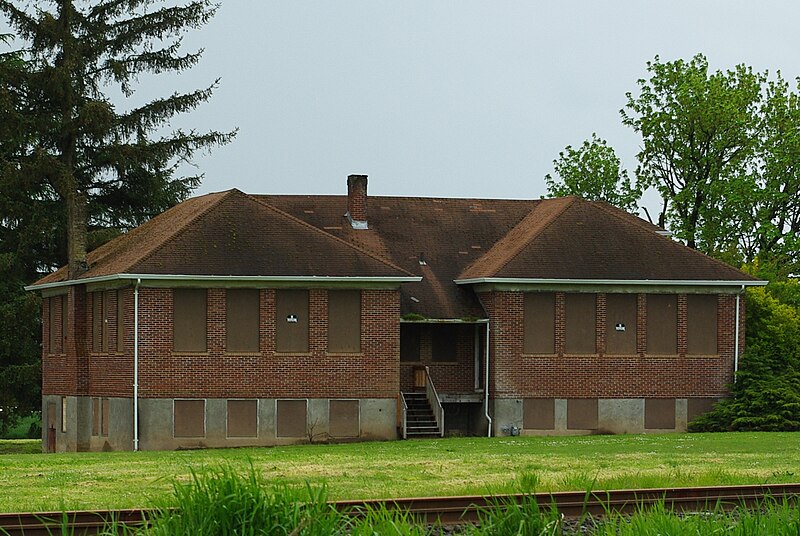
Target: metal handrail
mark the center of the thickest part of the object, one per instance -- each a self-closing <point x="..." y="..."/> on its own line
<point x="403" y="425"/>
<point x="432" y="395"/>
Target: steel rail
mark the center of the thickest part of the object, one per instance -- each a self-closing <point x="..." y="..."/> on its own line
<point x="449" y="510"/>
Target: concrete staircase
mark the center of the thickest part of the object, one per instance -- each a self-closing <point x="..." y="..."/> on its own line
<point x="420" y="421"/>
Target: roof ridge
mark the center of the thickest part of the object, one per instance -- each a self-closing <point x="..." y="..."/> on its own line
<point x="181" y="229"/>
<point x="307" y="225"/>
<point x="614" y="212"/>
<point x="570" y="200"/>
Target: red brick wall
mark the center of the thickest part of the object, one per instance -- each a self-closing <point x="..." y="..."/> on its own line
<point x="562" y="376"/>
<point x="267" y="374"/>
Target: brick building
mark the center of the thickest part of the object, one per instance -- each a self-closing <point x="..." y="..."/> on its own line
<point x="236" y="319"/>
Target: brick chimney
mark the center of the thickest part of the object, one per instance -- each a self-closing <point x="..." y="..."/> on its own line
<point x="357" y="201"/>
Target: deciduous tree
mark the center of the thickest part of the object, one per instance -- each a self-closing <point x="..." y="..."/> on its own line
<point x="593" y="171"/>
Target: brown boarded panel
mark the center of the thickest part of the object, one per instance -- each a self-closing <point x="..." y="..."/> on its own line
<point x="621" y="324"/>
<point x="701" y="324"/>
<point x="97" y="321"/>
<point x="582" y="414"/>
<point x="95" y="416"/>
<point x="539" y="323"/>
<point x="344" y="321"/>
<point x="241" y="320"/>
<point x="120" y="321"/>
<point x="580" y="332"/>
<point x="242" y="418"/>
<point x="662" y="324"/>
<point x="64" y="322"/>
<point x="659" y="413"/>
<point x="104" y="417"/>
<point x="190" y="418"/>
<point x="189" y="319"/>
<point x="291" y="321"/>
<point x="538" y="414"/>
<point x="291" y="418"/>
<point x="698" y="406"/>
<point x="52" y="333"/>
<point x="106" y="324"/>
<point x="343" y="418"/>
<point x="410" y="336"/>
<point x="444" y="340"/>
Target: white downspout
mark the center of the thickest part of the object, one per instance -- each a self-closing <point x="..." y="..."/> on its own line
<point x="736" y="342"/>
<point x="486" y="386"/>
<point x="136" y="365"/>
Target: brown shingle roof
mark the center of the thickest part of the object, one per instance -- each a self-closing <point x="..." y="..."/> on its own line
<point x="593" y="240"/>
<point x="231" y="233"/>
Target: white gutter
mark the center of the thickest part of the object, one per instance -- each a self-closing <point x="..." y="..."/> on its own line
<point x="227" y="278"/>
<point x="486" y="386"/>
<point x="136" y="366"/>
<point x="643" y="282"/>
<point x="736" y="342"/>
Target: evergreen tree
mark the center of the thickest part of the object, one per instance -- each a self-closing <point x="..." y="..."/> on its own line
<point x="104" y="167"/>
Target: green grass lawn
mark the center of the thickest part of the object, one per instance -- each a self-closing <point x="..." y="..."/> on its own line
<point x="406" y="468"/>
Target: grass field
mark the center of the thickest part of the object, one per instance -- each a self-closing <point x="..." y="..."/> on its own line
<point x="405" y="468"/>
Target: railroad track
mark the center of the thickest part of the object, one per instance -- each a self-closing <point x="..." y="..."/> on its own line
<point x="447" y="510"/>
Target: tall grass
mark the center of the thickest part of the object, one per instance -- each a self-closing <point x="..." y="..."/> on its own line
<point x="220" y="501"/>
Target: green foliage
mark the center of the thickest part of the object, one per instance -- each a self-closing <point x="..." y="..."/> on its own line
<point x="698" y="133"/>
<point x="766" y="395"/>
<point x="593" y="172"/>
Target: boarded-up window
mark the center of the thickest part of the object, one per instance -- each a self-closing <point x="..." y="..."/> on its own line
<point x="52" y="332"/>
<point x="701" y="328"/>
<point x="620" y="324"/>
<point x="242" y="418"/>
<point x="189" y="319"/>
<point x="410" y="335"/>
<point x="241" y="320"/>
<point x="189" y="418"/>
<point x="97" y="321"/>
<point x="107" y="319"/>
<point x="659" y="413"/>
<point x="444" y="340"/>
<point x="538" y="414"/>
<point x="291" y="418"/>
<point x="291" y="321"/>
<point x="539" y="316"/>
<point x="120" y="321"/>
<point x="100" y="417"/>
<point x="662" y="324"/>
<point x="343" y="418"/>
<point x="344" y="321"/>
<point x="582" y="413"/>
<point x="64" y="322"/>
<point x="580" y="333"/>
<point x="698" y="406"/>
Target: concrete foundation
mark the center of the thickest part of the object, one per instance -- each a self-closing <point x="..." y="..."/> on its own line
<point x="614" y="416"/>
<point x="377" y="420"/>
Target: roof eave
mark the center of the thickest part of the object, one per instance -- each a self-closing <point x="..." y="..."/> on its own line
<point x="600" y="282"/>
<point x="225" y="279"/>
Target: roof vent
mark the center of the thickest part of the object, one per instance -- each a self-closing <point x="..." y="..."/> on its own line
<point x="357" y="201"/>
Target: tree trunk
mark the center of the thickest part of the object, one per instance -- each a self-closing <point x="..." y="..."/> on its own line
<point x="76" y="232"/>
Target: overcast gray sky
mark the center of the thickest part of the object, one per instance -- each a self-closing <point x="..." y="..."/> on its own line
<point x="445" y="98"/>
